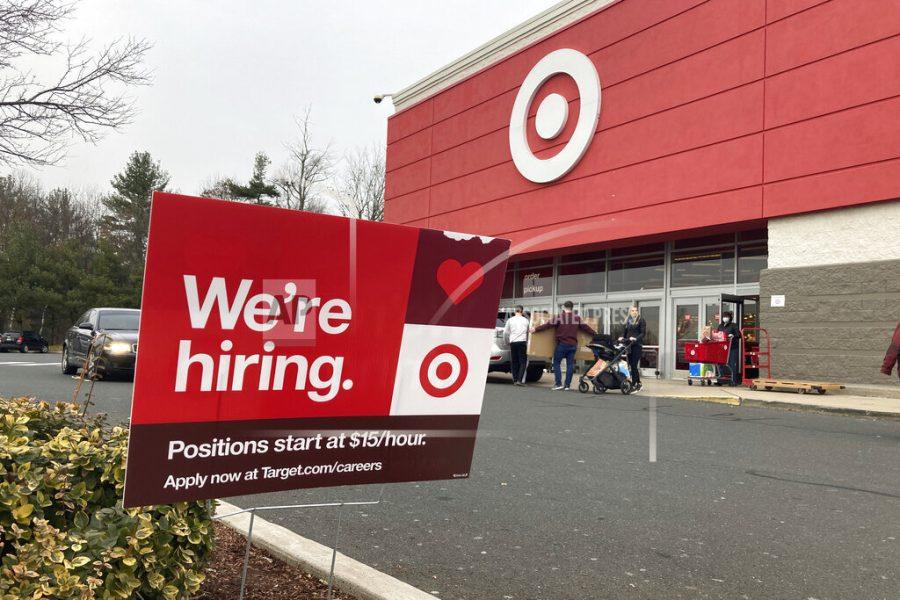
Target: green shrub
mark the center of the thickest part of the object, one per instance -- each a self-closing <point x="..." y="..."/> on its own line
<point x="63" y="531"/>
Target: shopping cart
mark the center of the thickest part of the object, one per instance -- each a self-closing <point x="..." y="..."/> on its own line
<point x="708" y="353"/>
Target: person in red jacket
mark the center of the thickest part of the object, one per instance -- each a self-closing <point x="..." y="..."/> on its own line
<point x="891" y="358"/>
<point x="567" y="325"/>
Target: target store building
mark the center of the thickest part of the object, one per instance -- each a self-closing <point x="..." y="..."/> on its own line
<point x="690" y="156"/>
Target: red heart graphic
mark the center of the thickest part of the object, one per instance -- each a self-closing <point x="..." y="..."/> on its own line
<point x="452" y="276"/>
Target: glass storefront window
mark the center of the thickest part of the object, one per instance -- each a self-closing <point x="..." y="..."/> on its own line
<point x="533" y="282"/>
<point x="630" y="274"/>
<point x="581" y="278"/>
<point x="531" y="264"/>
<point x="631" y="250"/>
<point x="599" y="255"/>
<point x="712" y="240"/>
<point x="751" y="260"/>
<point x="703" y="267"/>
<point x="753" y="234"/>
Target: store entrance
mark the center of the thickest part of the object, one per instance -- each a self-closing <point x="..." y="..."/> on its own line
<point x="689" y="317"/>
<point x="611" y="318"/>
<point x="746" y="315"/>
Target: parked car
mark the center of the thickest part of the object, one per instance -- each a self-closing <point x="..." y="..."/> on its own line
<point x="500" y="352"/>
<point x="23" y="341"/>
<point x="104" y="341"/>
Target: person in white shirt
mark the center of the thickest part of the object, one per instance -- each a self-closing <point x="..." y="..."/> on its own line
<point x="516" y="334"/>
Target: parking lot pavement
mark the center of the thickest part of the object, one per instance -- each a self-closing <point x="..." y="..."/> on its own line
<point x="562" y="502"/>
<point x="39" y="375"/>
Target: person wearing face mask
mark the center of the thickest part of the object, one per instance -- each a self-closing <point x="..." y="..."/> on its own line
<point x="732" y="334"/>
<point x="635" y="329"/>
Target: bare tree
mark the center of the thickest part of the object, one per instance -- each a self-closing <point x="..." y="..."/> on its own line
<point x="38" y="118"/>
<point x="308" y="168"/>
<point x="361" y="191"/>
<point x="218" y="187"/>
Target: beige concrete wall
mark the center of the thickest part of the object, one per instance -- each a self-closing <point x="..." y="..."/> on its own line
<point x="833" y="237"/>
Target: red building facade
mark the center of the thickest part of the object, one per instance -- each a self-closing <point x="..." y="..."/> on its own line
<point x="722" y="122"/>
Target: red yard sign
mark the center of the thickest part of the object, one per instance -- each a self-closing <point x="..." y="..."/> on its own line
<point x="283" y="349"/>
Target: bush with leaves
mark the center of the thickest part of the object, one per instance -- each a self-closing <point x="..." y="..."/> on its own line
<point x="63" y="531"/>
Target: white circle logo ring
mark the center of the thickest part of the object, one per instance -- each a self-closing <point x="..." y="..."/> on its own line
<point x="449" y="378"/>
<point x="552" y="115"/>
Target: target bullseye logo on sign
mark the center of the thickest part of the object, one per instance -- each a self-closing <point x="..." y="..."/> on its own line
<point x="552" y="115"/>
<point x="443" y="370"/>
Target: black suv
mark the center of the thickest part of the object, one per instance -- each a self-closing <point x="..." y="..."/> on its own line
<point x="23" y="341"/>
<point x="109" y="336"/>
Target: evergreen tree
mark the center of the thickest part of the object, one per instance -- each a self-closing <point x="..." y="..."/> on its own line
<point x="257" y="187"/>
<point x="129" y="208"/>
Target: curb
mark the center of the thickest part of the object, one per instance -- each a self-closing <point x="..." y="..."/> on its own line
<point x="350" y="576"/>
<point x="729" y="400"/>
<point x="837" y="410"/>
<point x="756" y="403"/>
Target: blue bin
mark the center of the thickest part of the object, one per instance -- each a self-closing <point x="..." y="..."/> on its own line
<point x="696" y="369"/>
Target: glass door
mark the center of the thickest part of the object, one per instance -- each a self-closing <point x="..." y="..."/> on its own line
<point x="618" y="313"/>
<point x="610" y="319"/>
<point x="686" y="327"/>
<point x="693" y="319"/>
<point x="712" y="316"/>
<point x="650" y="357"/>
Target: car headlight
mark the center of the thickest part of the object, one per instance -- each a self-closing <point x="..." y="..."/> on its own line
<point x="118" y="347"/>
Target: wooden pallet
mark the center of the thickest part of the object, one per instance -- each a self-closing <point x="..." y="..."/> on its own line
<point x="801" y="387"/>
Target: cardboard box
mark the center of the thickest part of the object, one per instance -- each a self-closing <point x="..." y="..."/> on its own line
<point x="543" y="343"/>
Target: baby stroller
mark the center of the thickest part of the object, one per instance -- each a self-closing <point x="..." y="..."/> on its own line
<point x="610" y="372"/>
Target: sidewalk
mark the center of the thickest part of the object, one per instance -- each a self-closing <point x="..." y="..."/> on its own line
<point x="868" y="400"/>
<point x="854" y="402"/>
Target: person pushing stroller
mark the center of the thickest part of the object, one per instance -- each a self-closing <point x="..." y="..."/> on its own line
<point x="635" y="329"/>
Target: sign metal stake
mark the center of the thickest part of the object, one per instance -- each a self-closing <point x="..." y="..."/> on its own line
<point x="247" y="553"/>
<point x="337" y="536"/>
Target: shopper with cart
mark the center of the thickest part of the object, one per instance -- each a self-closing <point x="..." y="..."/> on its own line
<point x="635" y="329"/>
<point x="733" y="336"/>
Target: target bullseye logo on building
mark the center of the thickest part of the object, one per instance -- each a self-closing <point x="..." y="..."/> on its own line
<point x="552" y="115"/>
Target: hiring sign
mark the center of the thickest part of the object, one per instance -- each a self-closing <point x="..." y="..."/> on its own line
<point x="283" y="349"/>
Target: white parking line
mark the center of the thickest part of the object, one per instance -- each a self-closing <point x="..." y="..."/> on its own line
<point x="28" y="364"/>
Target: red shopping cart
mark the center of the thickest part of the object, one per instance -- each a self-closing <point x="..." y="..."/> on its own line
<point x="710" y="353"/>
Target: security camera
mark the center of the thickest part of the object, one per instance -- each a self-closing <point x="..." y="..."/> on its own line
<point x="378" y="98"/>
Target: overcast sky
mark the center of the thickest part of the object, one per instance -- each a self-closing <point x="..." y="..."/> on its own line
<point x="230" y="76"/>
